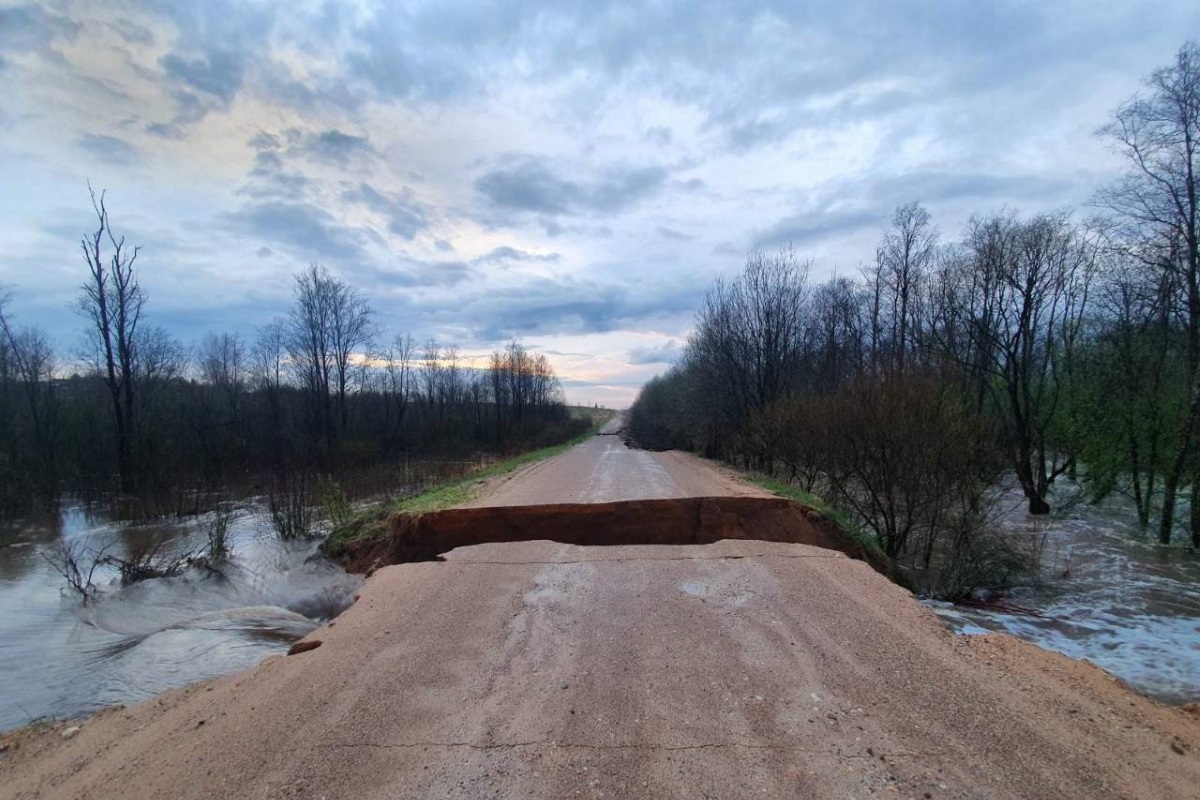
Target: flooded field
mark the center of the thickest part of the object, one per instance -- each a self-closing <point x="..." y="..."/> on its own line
<point x="61" y="657"/>
<point x="1110" y="594"/>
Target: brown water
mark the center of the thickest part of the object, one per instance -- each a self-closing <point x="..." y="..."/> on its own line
<point x="1109" y="594"/>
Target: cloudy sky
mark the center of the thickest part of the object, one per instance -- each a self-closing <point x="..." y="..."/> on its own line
<point x="573" y="174"/>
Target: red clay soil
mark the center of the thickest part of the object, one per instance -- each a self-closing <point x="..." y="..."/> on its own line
<point x="692" y="520"/>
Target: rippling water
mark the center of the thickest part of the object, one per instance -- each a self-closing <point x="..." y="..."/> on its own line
<point x="1110" y="595"/>
<point x="62" y="658"/>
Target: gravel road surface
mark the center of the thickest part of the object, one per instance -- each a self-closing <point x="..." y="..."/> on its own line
<point x="541" y="670"/>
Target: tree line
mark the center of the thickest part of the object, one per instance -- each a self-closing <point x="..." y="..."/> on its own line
<point x="1036" y="346"/>
<point x="135" y="410"/>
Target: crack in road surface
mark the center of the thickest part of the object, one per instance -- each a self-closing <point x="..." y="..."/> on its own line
<point x="650" y="747"/>
<point x="468" y="562"/>
<point x="730" y="669"/>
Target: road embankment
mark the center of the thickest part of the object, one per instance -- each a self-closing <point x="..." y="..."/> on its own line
<point x="417" y="537"/>
<point x="544" y="669"/>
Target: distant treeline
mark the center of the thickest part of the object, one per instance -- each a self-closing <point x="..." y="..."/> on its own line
<point x="1032" y="344"/>
<point x="314" y="391"/>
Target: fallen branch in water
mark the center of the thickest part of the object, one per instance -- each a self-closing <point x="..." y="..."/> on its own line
<point x="1000" y="605"/>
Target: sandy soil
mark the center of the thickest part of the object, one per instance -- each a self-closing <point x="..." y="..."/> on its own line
<point x="535" y="669"/>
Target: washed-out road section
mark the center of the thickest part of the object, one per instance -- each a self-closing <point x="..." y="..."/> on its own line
<point x="544" y="670"/>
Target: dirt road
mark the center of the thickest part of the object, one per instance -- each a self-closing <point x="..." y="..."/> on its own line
<point x="604" y="470"/>
<point x="541" y="670"/>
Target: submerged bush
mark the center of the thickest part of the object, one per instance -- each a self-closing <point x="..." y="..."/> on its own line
<point x="905" y="459"/>
<point x="218" y="549"/>
<point x="331" y="497"/>
<point x="149" y="561"/>
<point x="290" y="503"/>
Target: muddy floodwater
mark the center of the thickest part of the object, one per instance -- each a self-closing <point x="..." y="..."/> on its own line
<point x="62" y="658"/>
<point x="1109" y="594"/>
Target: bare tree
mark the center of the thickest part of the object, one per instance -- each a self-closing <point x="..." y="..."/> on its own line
<point x="1158" y="201"/>
<point x="310" y="348"/>
<point x="29" y="358"/>
<point x="1022" y="301"/>
<point x="399" y="385"/>
<point x="1136" y="380"/>
<point x="329" y="324"/>
<point x="269" y="369"/>
<point x="748" y="343"/>
<point x="431" y="375"/>
<point x="223" y="366"/>
<point x="352" y="330"/>
<point x="111" y="301"/>
<point x="904" y="258"/>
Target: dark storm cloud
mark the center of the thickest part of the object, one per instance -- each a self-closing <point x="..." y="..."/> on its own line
<point x="109" y="149"/>
<point x="552" y="306"/>
<point x="752" y="133"/>
<point x="133" y="32"/>
<point x="988" y="190"/>
<point x="31" y="27"/>
<point x="270" y="177"/>
<point x="808" y="228"/>
<point x="304" y="229"/>
<point x="408" y="273"/>
<point x="663" y="354"/>
<point x="933" y="101"/>
<point x="533" y="185"/>
<point x="337" y="147"/>
<point x="277" y="184"/>
<point x="217" y="72"/>
<point x="189" y="109"/>
<point x="437" y="51"/>
<point x="217" y="47"/>
<point x="672" y="234"/>
<point x="290" y="147"/>
<point x="827" y="217"/>
<point x="756" y="70"/>
<point x="405" y="216"/>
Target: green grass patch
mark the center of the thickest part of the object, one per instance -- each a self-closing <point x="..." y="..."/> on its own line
<point x="373" y="520"/>
<point x="858" y="533"/>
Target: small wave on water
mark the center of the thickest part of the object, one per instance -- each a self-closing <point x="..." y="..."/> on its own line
<point x="1109" y="595"/>
<point x="63" y="658"/>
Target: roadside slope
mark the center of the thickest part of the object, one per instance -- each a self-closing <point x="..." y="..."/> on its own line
<point x="536" y="669"/>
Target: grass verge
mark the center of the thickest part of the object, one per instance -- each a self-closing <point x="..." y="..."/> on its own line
<point x="373" y="520"/>
<point x="858" y="533"/>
